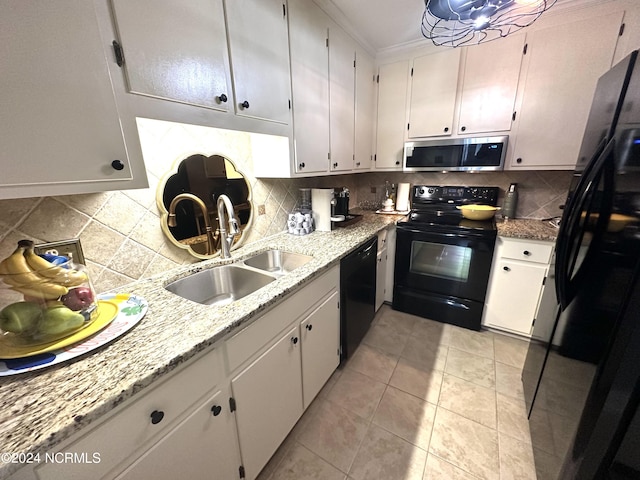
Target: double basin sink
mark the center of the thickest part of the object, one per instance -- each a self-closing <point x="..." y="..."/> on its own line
<point x="227" y="283"/>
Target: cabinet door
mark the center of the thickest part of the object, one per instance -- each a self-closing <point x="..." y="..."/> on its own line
<point x="320" y="333"/>
<point x="60" y="120"/>
<point x="165" y="59"/>
<point x="564" y="64"/>
<point x="268" y="395"/>
<point x="392" y="104"/>
<point x="203" y="446"/>
<point x="365" y="101"/>
<point x="342" y="53"/>
<point x="381" y="276"/>
<point x="391" y="262"/>
<point x="434" y="85"/>
<point x="259" y="51"/>
<point x="489" y="85"/>
<point x="513" y="295"/>
<point x="308" y="30"/>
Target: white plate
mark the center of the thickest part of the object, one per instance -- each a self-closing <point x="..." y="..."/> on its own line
<point x="131" y="309"/>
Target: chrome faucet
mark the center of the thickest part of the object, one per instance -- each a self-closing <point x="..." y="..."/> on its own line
<point x="172" y="221"/>
<point x="226" y="239"/>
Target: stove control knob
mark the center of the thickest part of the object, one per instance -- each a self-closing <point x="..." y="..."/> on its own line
<point x="421" y="191"/>
<point x="431" y="191"/>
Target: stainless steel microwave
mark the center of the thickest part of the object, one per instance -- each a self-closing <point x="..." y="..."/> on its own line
<point x="455" y="154"/>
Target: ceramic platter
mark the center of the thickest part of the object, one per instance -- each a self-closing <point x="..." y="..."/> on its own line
<point x="119" y="313"/>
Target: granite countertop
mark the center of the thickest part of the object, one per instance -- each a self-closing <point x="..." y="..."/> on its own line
<point x="42" y="408"/>
<point x="529" y="229"/>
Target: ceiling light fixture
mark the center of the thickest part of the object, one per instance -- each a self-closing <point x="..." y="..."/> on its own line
<point x="454" y="23"/>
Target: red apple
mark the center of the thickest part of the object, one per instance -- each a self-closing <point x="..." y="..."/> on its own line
<point x="78" y="298"/>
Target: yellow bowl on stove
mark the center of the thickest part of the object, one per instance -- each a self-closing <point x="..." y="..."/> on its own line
<point x="478" y="212"/>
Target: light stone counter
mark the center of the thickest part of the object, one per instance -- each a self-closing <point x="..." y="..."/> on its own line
<point x="528" y="229"/>
<point x="42" y="408"/>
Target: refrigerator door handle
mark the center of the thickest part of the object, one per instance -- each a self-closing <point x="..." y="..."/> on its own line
<point x="572" y="229"/>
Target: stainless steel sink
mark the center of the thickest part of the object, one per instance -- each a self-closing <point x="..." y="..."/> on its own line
<point x="277" y="262"/>
<point x="220" y="285"/>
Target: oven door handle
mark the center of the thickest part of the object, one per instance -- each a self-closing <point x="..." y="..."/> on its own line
<point x="456" y="304"/>
<point x="419" y="231"/>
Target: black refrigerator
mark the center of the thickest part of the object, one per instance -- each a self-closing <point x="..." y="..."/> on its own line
<point x="581" y="376"/>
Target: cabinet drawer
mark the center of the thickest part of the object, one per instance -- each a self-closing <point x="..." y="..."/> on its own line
<point x="527" y="250"/>
<point x="250" y="340"/>
<point x="121" y="435"/>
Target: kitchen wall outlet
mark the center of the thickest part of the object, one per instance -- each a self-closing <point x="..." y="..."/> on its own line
<point x="68" y="248"/>
<point x="262" y="210"/>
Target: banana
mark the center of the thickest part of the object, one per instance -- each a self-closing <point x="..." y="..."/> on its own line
<point x="17" y="269"/>
<point x="57" y="274"/>
<point x="40" y="265"/>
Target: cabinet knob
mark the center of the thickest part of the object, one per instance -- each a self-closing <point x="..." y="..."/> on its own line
<point x="244" y="104"/>
<point x="397" y="162"/>
<point x="463" y="128"/>
<point x="117" y="165"/>
<point x="301" y="165"/>
<point x="156" y="416"/>
<point x="222" y="98"/>
<point x="216" y="409"/>
<point x="294" y="340"/>
<point x="446" y="129"/>
<point x="518" y="160"/>
<point x="526" y="252"/>
<point x="335" y="165"/>
<point x="309" y="327"/>
<point x="357" y="164"/>
<point x="506" y="269"/>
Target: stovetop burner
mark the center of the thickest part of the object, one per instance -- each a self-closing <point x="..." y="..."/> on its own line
<point x="435" y="207"/>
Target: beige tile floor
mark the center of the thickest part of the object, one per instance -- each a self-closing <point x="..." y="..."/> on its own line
<point x="418" y="400"/>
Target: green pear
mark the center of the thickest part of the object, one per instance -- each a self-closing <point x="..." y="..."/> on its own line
<point x="20" y="317"/>
<point x="58" y="320"/>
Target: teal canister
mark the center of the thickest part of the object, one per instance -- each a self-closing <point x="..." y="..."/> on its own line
<point x="510" y="202"/>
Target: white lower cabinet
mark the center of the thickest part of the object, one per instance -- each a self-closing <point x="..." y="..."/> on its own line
<point x="279" y="363"/>
<point x="516" y="282"/>
<point x="171" y="431"/>
<point x="201" y="447"/>
<point x="224" y="414"/>
<point x="268" y="398"/>
<point x="320" y="335"/>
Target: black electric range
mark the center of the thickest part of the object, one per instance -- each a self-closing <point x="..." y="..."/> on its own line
<point x="443" y="260"/>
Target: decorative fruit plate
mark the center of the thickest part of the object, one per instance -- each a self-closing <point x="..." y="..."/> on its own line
<point x="118" y="313"/>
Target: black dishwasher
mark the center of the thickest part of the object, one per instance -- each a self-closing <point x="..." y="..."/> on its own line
<point x="357" y="295"/>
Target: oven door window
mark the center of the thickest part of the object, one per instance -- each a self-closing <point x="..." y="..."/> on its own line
<point x="450" y="262"/>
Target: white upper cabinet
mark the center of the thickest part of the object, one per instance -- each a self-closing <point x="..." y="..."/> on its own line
<point x="342" y="52"/>
<point x="188" y="54"/>
<point x="488" y="77"/>
<point x="364" y="110"/>
<point x="308" y="30"/>
<point x="561" y="68"/>
<point x="65" y="126"/>
<point x="392" y="104"/>
<point x="433" y="94"/>
<point x="489" y="85"/>
<point x="163" y="59"/>
<point x="258" y="46"/>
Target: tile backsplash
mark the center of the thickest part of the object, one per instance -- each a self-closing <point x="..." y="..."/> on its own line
<point x="120" y="231"/>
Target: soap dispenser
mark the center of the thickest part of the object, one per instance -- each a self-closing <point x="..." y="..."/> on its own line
<point x="510" y="202"/>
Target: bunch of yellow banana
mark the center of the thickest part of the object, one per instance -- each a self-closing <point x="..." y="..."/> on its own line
<point x="33" y="276"/>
